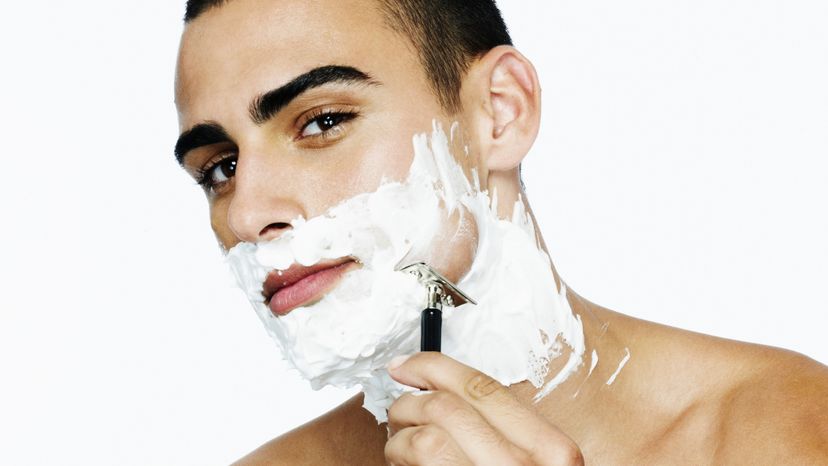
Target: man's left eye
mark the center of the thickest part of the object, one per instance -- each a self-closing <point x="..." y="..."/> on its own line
<point x="325" y="123"/>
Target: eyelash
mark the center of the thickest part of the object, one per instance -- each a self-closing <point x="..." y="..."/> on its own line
<point x="318" y="115"/>
<point x="203" y="174"/>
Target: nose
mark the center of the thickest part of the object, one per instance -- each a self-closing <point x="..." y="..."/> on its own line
<point x="261" y="209"/>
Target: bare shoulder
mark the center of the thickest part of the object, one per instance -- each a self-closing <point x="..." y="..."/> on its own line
<point x="778" y="414"/>
<point x="346" y="435"/>
<point x="732" y="402"/>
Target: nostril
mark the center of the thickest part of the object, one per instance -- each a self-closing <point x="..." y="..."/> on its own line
<point x="274" y="230"/>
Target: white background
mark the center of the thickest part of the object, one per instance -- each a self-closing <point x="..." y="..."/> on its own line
<point x="680" y="177"/>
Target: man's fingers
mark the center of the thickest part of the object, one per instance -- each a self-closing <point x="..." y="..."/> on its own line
<point x="427" y="445"/>
<point x="481" y="443"/>
<point x="518" y="424"/>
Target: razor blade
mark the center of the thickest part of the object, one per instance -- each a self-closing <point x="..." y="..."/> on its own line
<point x="441" y="291"/>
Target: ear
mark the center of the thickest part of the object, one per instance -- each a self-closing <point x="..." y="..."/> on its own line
<point x="502" y="99"/>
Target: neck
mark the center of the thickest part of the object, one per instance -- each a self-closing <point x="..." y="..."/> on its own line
<point x="600" y="380"/>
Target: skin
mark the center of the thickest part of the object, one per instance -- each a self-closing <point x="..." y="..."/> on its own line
<point x="682" y="398"/>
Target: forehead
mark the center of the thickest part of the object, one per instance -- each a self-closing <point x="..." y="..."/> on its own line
<point x="246" y="47"/>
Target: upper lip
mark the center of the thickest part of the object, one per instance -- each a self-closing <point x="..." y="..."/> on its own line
<point x="276" y="279"/>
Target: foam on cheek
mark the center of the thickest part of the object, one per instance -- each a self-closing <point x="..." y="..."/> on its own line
<point x="520" y="323"/>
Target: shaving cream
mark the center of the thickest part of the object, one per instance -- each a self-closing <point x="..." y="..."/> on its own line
<point x="521" y="322"/>
<point x="621" y="365"/>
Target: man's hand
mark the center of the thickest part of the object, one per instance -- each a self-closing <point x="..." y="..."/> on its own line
<point x="466" y="417"/>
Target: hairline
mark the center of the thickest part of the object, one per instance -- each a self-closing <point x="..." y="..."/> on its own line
<point x="447" y="96"/>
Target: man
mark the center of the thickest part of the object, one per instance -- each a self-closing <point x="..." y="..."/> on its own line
<point x="288" y="107"/>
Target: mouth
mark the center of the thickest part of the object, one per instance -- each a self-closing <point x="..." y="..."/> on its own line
<point x="285" y="290"/>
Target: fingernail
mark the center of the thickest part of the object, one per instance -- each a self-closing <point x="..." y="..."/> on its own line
<point x="397" y="362"/>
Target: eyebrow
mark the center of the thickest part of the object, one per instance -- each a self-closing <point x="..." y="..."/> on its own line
<point x="267" y="105"/>
<point x="203" y="134"/>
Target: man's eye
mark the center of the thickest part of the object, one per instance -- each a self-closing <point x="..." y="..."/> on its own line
<point x="215" y="176"/>
<point x="324" y="123"/>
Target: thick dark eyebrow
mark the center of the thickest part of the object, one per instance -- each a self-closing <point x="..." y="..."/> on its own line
<point x="203" y="134"/>
<point x="265" y="106"/>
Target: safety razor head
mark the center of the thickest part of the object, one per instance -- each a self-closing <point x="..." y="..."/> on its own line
<point x="441" y="292"/>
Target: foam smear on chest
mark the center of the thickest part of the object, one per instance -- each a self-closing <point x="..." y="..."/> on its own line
<point x="520" y="324"/>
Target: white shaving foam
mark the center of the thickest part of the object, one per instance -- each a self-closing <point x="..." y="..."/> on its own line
<point x="592" y="365"/>
<point x="519" y="325"/>
<point x="620" y="366"/>
<point x="594" y="362"/>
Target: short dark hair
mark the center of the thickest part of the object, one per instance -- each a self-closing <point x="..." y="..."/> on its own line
<point x="447" y="34"/>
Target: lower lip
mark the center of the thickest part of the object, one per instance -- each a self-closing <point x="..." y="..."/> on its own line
<point x="307" y="290"/>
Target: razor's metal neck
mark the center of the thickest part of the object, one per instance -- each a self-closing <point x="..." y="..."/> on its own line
<point x="436" y="296"/>
<point x="441" y="292"/>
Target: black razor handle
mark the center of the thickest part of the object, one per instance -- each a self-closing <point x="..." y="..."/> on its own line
<point x="431" y="326"/>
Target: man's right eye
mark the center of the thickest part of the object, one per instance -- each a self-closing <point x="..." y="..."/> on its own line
<point x="326" y="124"/>
<point x="216" y="174"/>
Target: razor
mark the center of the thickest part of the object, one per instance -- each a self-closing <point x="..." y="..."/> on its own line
<point x="440" y="292"/>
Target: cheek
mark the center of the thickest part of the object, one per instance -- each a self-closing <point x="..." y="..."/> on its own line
<point x="377" y="163"/>
<point x="454" y="246"/>
<point x="381" y="156"/>
<point x="453" y="249"/>
<point x="386" y="139"/>
<point x="380" y="148"/>
<point x="218" y="222"/>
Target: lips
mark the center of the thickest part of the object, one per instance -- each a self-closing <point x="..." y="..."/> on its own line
<point x="298" y="285"/>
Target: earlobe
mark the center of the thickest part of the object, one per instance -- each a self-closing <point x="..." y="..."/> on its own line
<point x="510" y="119"/>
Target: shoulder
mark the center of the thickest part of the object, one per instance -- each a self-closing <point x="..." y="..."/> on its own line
<point x="778" y="413"/>
<point x="345" y="435"/>
<point x="732" y="402"/>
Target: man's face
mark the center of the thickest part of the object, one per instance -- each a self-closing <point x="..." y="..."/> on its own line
<point x="295" y="112"/>
<point x="338" y="131"/>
